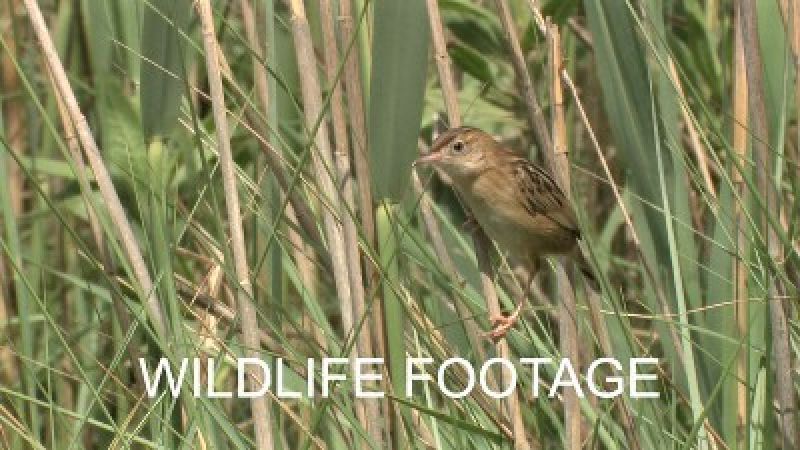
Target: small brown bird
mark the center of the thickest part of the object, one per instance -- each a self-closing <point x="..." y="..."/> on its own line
<point x="518" y="204"/>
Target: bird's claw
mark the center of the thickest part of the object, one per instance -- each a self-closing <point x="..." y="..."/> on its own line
<point x="501" y="325"/>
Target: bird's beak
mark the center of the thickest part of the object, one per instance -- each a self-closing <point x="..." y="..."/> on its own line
<point x="431" y="157"/>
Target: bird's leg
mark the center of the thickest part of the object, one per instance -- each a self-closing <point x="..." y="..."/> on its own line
<point x="502" y="324"/>
<point x="470" y="225"/>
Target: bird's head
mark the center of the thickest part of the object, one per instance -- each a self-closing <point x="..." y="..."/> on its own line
<point x="459" y="153"/>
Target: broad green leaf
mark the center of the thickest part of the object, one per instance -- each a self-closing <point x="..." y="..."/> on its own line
<point x="399" y="69"/>
<point x="161" y="74"/>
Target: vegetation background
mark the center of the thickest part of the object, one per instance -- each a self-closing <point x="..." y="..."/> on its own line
<point x="217" y="179"/>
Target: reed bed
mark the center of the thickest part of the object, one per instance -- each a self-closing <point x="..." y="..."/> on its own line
<point x="207" y="181"/>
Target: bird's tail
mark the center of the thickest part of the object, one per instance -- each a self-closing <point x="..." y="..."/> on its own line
<point x="589" y="274"/>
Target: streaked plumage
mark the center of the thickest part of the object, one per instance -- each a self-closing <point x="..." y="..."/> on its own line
<point x="518" y="204"/>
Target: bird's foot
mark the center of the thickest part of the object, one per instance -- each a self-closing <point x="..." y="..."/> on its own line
<point x="501" y="325"/>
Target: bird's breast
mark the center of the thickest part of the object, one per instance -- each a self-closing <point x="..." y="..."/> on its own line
<point x="495" y="204"/>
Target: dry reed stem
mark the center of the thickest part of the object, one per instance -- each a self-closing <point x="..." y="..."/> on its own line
<point x="304" y="222"/>
<point x="13" y="110"/>
<point x="321" y="158"/>
<point x="273" y="158"/>
<point x="305" y="218"/>
<point x="559" y="125"/>
<point x="8" y="363"/>
<point x="567" y="308"/>
<point x="762" y="159"/>
<point x="557" y="73"/>
<point x="434" y="232"/>
<point x="481" y="241"/>
<point x="219" y="346"/>
<point x="740" y="141"/>
<point x="360" y="157"/>
<point x="368" y="410"/>
<point x="439" y="348"/>
<point x="448" y="266"/>
<point x="260" y="77"/>
<point x="296" y="212"/>
<point x="304" y="256"/>
<point x="342" y="163"/>
<point x="275" y="161"/>
<point x="536" y="119"/>
<point x="355" y="106"/>
<point x="794" y="14"/>
<point x="694" y="139"/>
<point x="209" y="303"/>
<point x="513" y="407"/>
<point x="450" y="95"/>
<point x="13" y="118"/>
<point x="648" y="271"/>
<point x="442" y="58"/>
<point x="107" y="191"/>
<point x="244" y="289"/>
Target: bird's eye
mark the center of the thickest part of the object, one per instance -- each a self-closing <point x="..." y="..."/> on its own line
<point x="458" y="147"/>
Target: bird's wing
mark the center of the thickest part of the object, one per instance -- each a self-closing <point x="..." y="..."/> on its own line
<point x="542" y="195"/>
